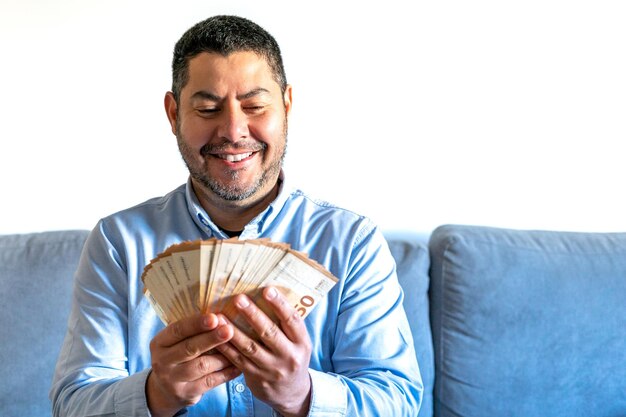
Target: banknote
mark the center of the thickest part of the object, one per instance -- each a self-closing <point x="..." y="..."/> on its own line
<point x="204" y="275"/>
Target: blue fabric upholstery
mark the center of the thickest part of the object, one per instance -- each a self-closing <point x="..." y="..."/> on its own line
<point x="410" y="250"/>
<point x="36" y="274"/>
<point x="524" y="323"/>
<point x="528" y="323"/>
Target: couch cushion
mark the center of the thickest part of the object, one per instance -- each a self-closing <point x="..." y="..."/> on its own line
<point x="36" y="274"/>
<point x="528" y="323"/>
<point x="411" y="254"/>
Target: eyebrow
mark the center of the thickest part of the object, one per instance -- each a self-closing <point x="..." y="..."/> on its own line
<point x="252" y="93"/>
<point x="205" y="95"/>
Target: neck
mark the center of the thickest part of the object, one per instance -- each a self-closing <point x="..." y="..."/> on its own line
<point x="233" y="215"/>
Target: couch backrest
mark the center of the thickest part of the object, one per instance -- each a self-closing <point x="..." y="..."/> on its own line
<point x="36" y="274"/>
<point x="528" y="323"/>
<point x="410" y="250"/>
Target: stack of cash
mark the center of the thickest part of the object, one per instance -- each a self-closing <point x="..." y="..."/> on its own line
<point x="203" y="276"/>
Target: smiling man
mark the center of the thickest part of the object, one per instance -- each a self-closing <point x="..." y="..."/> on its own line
<point x="231" y="123"/>
<point x="352" y="356"/>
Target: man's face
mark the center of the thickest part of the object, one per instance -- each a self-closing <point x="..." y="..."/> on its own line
<point x="231" y="125"/>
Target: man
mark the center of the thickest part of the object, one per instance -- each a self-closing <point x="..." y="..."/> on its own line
<point x="352" y="355"/>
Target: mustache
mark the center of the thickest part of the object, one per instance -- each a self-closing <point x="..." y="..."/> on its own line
<point x="252" y="146"/>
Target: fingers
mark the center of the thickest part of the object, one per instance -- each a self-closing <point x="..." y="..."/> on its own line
<point x="273" y="336"/>
<point x="212" y="380"/>
<point x="191" y="337"/>
<point x="275" y="356"/>
<point x="205" y="373"/>
<point x="165" y="396"/>
<point x="265" y="328"/>
<point x="291" y="322"/>
<point x="182" y="368"/>
<point x="201" y="374"/>
<point x="199" y="367"/>
<point x="272" y="318"/>
<point x="243" y="350"/>
<point x="185" y="328"/>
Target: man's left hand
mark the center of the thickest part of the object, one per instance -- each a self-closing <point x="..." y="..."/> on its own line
<point x="276" y="366"/>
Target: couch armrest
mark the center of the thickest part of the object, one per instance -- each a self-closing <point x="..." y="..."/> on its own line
<point x="528" y="323"/>
<point x="36" y="275"/>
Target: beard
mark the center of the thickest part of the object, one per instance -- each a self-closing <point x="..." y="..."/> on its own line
<point x="233" y="189"/>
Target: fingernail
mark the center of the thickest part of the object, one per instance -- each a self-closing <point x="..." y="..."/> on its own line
<point x="209" y="321"/>
<point x="222" y="332"/>
<point x="271" y="293"/>
<point x="242" y="302"/>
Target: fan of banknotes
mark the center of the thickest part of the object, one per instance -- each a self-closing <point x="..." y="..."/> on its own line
<point x="204" y="275"/>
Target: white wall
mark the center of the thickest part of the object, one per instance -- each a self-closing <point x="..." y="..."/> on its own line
<point x="503" y="113"/>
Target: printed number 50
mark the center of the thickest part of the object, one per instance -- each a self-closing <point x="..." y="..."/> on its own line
<point x="305" y="302"/>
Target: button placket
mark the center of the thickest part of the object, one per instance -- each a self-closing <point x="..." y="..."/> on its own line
<point x="241" y="399"/>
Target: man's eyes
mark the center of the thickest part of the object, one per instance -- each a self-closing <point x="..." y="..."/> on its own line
<point x="253" y="109"/>
<point x="208" y="111"/>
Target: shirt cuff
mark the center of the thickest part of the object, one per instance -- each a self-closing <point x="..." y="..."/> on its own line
<point x="329" y="395"/>
<point x="130" y="395"/>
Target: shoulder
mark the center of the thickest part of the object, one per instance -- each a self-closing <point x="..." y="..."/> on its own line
<point x="149" y="211"/>
<point x="320" y="213"/>
<point x="317" y="224"/>
<point x="153" y="206"/>
<point x="154" y="223"/>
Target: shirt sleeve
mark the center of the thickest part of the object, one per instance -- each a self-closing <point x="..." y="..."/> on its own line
<point x="375" y="370"/>
<point x="92" y="375"/>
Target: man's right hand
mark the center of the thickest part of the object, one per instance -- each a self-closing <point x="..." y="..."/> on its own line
<point x="182" y="367"/>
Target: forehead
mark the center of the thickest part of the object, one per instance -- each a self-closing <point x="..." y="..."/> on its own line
<point x="236" y="71"/>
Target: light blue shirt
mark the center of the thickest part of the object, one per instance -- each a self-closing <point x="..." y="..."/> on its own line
<point x="362" y="363"/>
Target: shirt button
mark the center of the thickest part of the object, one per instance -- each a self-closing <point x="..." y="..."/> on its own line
<point x="240" y="388"/>
<point x="203" y="220"/>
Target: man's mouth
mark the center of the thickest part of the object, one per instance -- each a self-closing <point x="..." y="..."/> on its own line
<point x="233" y="152"/>
<point x="233" y="157"/>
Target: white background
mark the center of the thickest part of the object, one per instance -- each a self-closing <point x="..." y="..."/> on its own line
<point x="415" y="113"/>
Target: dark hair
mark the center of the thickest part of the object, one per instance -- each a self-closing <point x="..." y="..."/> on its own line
<point x="225" y="35"/>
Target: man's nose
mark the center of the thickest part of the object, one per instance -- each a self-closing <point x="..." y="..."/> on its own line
<point x="233" y="124"/>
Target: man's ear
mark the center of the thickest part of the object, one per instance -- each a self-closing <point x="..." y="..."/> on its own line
<point x="287" y="99"/>
<point x="171" y="109"/>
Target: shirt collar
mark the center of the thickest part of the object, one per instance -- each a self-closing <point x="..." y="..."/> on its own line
<point x="254" y="228"/>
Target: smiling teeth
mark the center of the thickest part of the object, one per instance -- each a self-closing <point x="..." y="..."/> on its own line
<point x="236" y="158"/>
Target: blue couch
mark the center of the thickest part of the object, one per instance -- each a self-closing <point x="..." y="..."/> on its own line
<point x="505" y="322"/>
